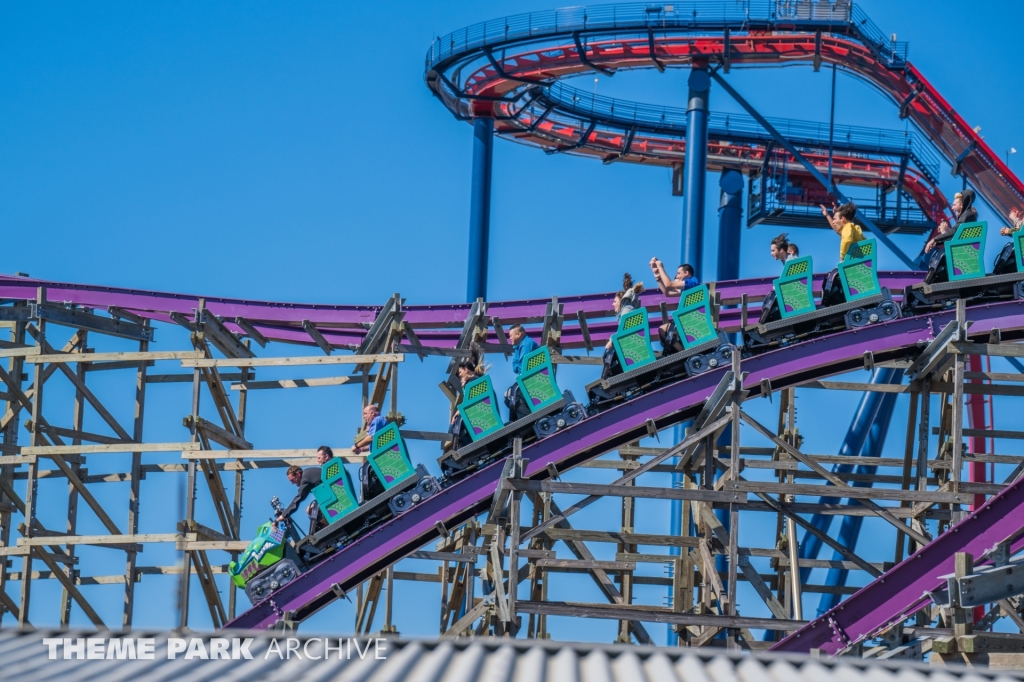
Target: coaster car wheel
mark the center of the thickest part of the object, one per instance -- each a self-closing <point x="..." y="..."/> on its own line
<point x="545" y="426"/>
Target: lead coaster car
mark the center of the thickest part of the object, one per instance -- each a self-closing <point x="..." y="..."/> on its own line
<point x="270" y="561"/>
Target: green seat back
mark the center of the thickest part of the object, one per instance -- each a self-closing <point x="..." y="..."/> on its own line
<point x="693" y="319"/>
<point x="389" y="457"/>
<point x="859" y="270"/>
<point x="537" y="380"/>
<point x="965" y="252"/>
<point x="1018" y="248"/>
<point x="794" y="290"/>
<point x="633" y="340"/>
<point x="335" y="495"/>
<point x="479" y="408"/>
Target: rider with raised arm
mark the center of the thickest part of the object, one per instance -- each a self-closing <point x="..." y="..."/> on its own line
<point x="842" y="224"/>
<point x="685" y="279"/>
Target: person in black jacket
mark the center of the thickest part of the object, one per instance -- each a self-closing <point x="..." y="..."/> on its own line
<point x="306" y="479"/>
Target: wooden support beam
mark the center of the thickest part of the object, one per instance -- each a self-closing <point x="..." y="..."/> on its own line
<point x="313" y="382"/>
<point x="653" y="614"/>
<point x="217" y="434"/>
<point x="297" y="361"/>
<point x="840" y="485"/>
<point x="182" y="355"/>
<point x="1002" y="350"/>
<point x="188" y="452"/>
<point x="46" y="450"/>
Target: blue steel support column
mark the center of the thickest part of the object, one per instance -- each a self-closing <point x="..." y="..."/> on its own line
<point x="853" y="444"/>
<point x="695" y="169"/>
<point x="730" y="215"/>
<point x="480" y="208"/>
<point x="850" y="528"/>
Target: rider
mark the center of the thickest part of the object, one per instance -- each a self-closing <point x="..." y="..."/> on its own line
<point x="842" y="223"/>
<point x="522" y="345"/>
<point x="793" y="251"/>
<point x="1016" y="220"/>
<point x="685" y="279"/>
<point x="965" y="213"/>
<point x="1006" y="261"/>
<point x="372" y="422"/>
<point x="780" y="248"/>
<point x="624" y="301"/>
<point x="306" y="480"/>
<point x="468" y="369"/>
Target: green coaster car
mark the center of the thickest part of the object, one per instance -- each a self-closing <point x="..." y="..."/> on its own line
<point x="268" y="562"/>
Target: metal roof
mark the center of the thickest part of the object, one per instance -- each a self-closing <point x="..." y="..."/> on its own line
<point x="25" y="656"/>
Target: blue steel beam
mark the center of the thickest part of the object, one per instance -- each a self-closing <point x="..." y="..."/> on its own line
<point x="480" y="208"/>
<point x="833" y="190"/>
<point x="730" y="227"/>
<point x="695" y="169"/>
<point x="849" y="531"/>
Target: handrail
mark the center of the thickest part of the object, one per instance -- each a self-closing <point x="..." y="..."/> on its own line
<point x="660" y="118"/>
<point x="688" y="14"/>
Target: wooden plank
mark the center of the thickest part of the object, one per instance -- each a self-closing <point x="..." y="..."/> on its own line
<point x="628" y="491"/>
<point x="994" y="376"/>
<point x="845" y="491"/>
<point x="100" y="540"/>
<point x="19" y="352"/>
<point x="652" y="614"/>
<point x="620" y="538"/>
<point x="189" y="452"/>
<point x="221" y="436"/>
<point x="987" y="433"/>
<point x="300" y="383"/>
<point x="183" y="355"/>
<point x="186" y="377"/>
<point x="585" y="564"/>
<point x="94" y="449"/>
<point x="433" y="350"/>
<point x="1001" y="350"/>
<point x="224" y="545"/>
<point x="857" y="386"/>
<point x="292" y="361"/>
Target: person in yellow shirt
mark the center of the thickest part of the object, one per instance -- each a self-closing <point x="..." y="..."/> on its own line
<point x="842" y="223"/>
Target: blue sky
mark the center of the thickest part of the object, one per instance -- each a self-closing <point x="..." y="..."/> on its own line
<point x="291" y="151"/>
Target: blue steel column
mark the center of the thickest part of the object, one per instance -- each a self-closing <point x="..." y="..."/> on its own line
<point x="480" y="208"/>
<point x="730" y="215"/>
<point x="695" y="169"/>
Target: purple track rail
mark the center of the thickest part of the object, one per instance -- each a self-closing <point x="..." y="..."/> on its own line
<point x="900" y="592"/>
<point x="345" y="325"/>
<point x="785" y="367"/>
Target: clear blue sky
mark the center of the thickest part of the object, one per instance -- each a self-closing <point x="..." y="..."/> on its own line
<point x="291" y="151"/>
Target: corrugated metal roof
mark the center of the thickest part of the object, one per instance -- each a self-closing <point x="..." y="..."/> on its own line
<point x="25" y="656"/>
